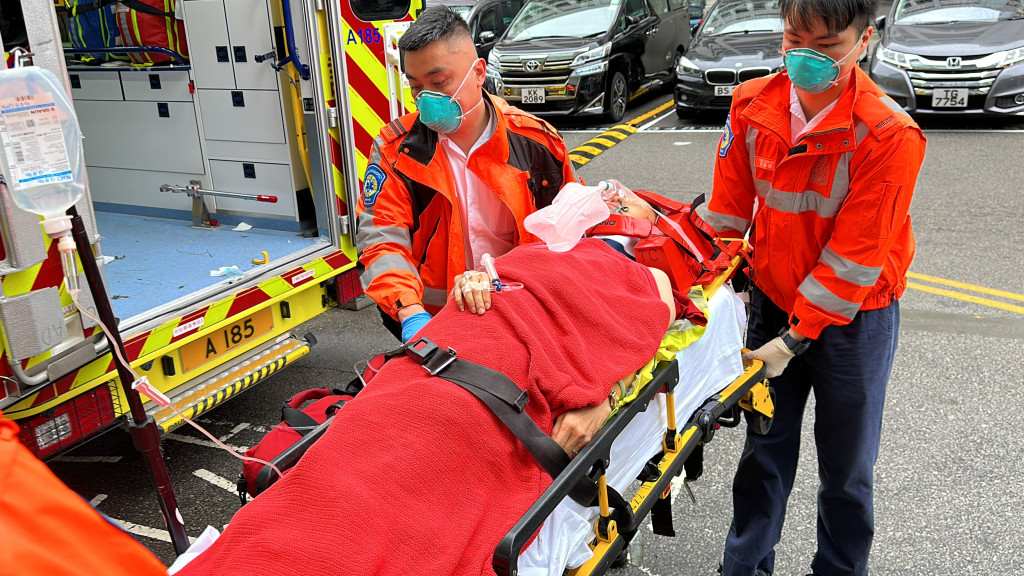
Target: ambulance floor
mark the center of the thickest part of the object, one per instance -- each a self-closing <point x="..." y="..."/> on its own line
<point x="156" y="261"/>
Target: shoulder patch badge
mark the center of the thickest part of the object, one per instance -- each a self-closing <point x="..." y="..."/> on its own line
<point x="373" y="182"/>
<point x="726" y="142"/>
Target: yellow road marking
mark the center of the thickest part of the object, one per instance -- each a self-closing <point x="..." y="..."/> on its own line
<point x="604" y="141"/>
<point x="589" y="150"/>
<point x="654" y="112"/>
<point x="966" y="297"/>
<point x="964" y="286"/>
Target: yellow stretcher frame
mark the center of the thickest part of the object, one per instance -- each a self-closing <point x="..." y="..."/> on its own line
<point x="750" y="391"/>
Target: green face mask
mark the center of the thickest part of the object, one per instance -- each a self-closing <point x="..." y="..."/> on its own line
<point x="440" y="112"/>
<point x="811" y="71"/>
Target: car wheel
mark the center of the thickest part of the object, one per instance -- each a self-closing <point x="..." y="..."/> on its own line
<point x="616" y="97"/>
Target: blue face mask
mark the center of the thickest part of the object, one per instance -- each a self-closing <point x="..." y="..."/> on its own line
<point x="813" y="72"/>
<point x="440" y="112"/>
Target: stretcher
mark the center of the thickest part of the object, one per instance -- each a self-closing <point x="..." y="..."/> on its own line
<point x="675" y="423"/>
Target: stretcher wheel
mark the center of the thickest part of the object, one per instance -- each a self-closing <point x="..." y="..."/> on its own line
<point x="760" y="423"/>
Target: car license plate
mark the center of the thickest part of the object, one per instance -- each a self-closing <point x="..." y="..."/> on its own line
<point x="949" y="98"/>
<point x="724" y="90"/>
<point x="533" y="95"/>
<point x="215" y="344"/>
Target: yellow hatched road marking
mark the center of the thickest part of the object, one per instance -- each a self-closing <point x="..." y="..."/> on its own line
<point x="604" y="141"/>
<point x="966" y="297"/>
<point x="965" y="286"/>
<point x="577" y="159"/>
<point x="617" y="135"/>
<point x="589" y="149"/>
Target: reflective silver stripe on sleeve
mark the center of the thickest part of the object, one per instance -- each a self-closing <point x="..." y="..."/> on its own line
<point x="861" y="130"/>
<point x="894" y="106"/>
<point x="821" y="297"/>
<point x="370" y="234"/>
<point x="434" y="296"/>
<point x="386" y="263"/>
<point x="849" y="270"/>
<point x="809" y="200"/>
<point x="762" y="187"/>
<point x="722" y="221"/>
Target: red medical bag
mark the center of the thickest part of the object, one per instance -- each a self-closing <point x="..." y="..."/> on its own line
<point x="151" y="23"/>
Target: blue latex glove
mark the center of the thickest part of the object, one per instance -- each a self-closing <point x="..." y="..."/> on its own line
<point x="413" y="324"/>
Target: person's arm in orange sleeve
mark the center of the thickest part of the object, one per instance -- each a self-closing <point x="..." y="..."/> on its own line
<point x="385" y="223"/>
<point x="866" y="231"/>
<point x="730" y="206"/>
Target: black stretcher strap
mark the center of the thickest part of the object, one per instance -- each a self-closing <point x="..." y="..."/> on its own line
<point x="508" y="402"/>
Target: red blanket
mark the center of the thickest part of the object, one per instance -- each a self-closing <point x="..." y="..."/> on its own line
<point x="417" y="476"/>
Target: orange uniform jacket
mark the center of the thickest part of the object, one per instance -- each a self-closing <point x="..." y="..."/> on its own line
<point x="45" y="528"/>
<point x="410" y="226"/>
<point x="831" y="234"/>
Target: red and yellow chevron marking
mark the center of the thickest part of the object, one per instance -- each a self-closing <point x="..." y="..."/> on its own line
<point x="148" y="346"/>
<point x="367" y="80"/>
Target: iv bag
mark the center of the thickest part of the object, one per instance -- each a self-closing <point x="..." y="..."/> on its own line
<point x="42" y="161"/>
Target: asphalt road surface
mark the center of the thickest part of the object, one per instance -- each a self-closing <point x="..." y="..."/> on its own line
<point x="949" y="478"/>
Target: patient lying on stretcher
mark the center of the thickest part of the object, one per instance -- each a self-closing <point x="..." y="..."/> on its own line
<point x="416" y="475"/>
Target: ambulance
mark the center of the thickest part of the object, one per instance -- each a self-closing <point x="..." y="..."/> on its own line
<point x="224" y="149"/>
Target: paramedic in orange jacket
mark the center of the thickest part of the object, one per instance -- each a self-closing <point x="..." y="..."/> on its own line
<point x="450" y="182"/>
<point x="819" y="165"/>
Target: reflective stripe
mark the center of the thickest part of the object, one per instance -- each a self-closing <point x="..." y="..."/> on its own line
<point x="384" y="264"/>
<point x="894" y="106"/>
<point x="370" y="234"/>
<point x="849" y="270"/>
<point x="821" y="297"/>
<point x="722" y="221"/>
<point x="434" y="296"/>
<point x="762" y="187"/>
<point x="861" y="131"/>
<point x="809" y="200"/>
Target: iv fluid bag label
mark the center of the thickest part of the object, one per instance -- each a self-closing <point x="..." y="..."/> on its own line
<point x="35" y="148"/>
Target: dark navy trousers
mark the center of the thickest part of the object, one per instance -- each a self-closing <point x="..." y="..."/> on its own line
<point x="847" y="368"/>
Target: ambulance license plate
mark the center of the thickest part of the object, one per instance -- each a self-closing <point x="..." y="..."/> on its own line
<point x="217" y="343"/>
<point x="534" y="95"/>
<point x="949" y="98"/>
<point x="724" y="90"/>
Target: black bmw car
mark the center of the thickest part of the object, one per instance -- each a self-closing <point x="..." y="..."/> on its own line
<point x="739" y="40"/>
<point x="952" y="56"/>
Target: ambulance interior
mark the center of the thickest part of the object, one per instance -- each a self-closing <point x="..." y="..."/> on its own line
<point x="196" y="166"/>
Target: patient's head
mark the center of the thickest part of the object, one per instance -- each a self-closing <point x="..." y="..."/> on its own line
<point x="634" y="206"/>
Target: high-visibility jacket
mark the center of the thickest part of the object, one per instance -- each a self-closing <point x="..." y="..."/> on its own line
<point x="831" y="233"/>
<point x="410" y="227"/>
<point x="45" y="528"/>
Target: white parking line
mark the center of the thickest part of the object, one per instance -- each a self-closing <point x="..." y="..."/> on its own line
<point x="97" y="499"/>
<point x="200" y="442"/>
<point x="218" y="481"/>
<point x="655" y="121"/>
<point x="234" y="431"/>
<point x="88" y="459"/>
<point x="140" y="530"/>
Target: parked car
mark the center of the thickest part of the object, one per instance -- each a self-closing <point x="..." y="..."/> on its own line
<point x="739" y="40"/>
<point x="952" y="56"/>
<point x="487" y="19"/>
<point x="562" y="57"/>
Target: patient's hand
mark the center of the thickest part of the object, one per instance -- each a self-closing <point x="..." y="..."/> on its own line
<point x="575" y="428"/>
<point x="473" y="291"/>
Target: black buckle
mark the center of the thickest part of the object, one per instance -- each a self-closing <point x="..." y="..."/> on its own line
<point x="433" y="358"/>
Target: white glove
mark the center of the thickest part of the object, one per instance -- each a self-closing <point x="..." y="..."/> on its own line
<point x="775" y="355"/>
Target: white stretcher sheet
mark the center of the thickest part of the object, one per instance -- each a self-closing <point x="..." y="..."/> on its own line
<point x="705" y="368"/>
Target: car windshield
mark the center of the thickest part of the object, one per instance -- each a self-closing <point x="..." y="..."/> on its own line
<point x="462" y="10"/>
<point x="743" y="18"/>
<point x="948" y="11"/>
<point x="563" y="19"/>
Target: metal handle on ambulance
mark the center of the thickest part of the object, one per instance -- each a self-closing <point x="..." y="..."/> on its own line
<point x="195" y="192"/>
<point x="392" y="33"/>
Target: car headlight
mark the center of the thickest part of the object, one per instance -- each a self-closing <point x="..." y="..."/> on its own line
<point x="590" y="69"/>
<point x="897" y="59"/>
<point x="684" y="67"/>
<point x="494" y="60"/>
<point x="1011" y="57"/>
<point x="592" y="55"/>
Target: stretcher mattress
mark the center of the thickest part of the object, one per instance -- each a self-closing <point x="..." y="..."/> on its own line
<point x="705" y="368"/>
